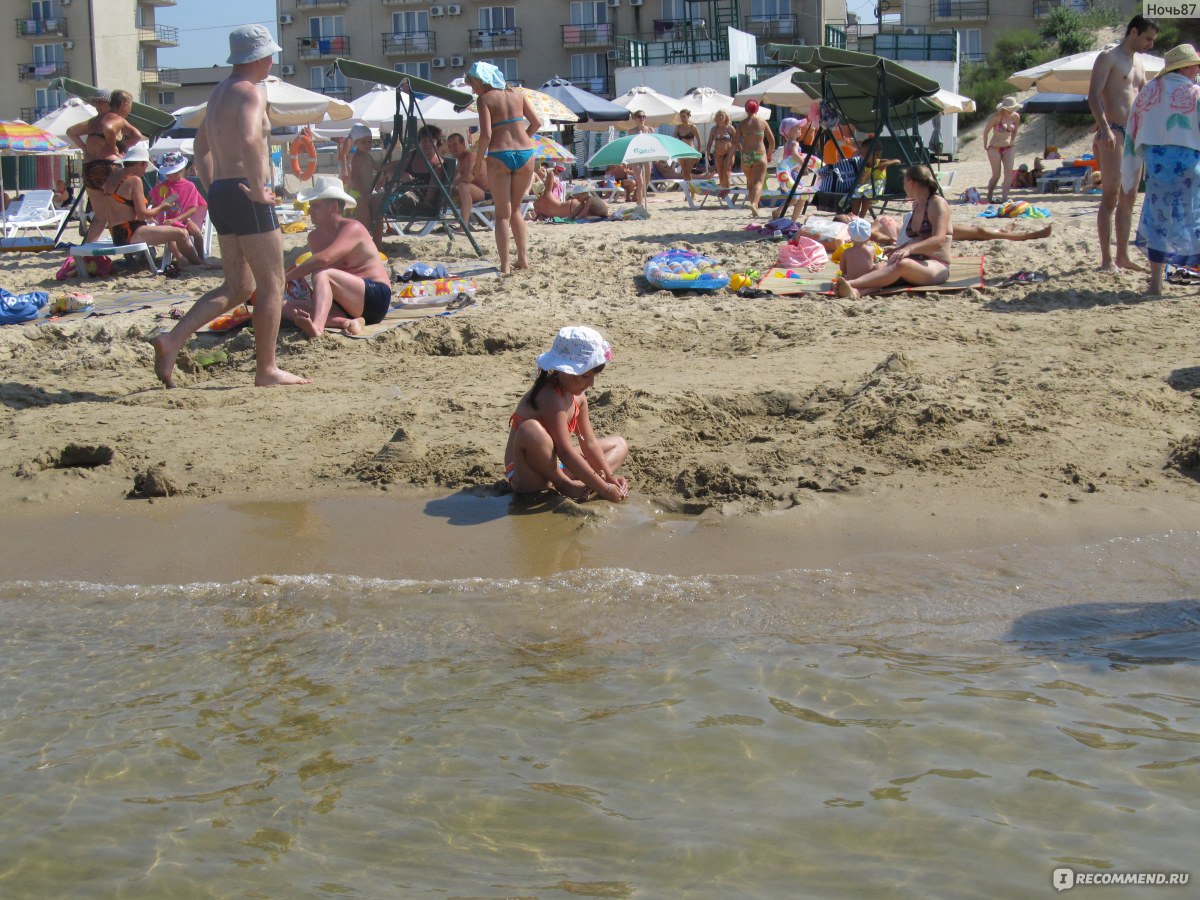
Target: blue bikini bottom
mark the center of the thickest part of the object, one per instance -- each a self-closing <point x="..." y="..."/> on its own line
<point x="512" y="159"/>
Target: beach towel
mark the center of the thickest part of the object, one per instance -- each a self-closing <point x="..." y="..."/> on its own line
<point x="965" y="272"/>
<point x="111" y="304"/>
<point x="17" y="308"/>
<point x="405" y="312"/>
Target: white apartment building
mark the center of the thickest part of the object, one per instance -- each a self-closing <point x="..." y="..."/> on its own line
<point x="110" y="43"/>
<point x="530" y="40"/>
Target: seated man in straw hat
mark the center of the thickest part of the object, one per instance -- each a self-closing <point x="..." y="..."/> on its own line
<point x="351" y="286"/>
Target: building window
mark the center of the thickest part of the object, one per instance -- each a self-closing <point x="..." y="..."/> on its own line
<point x="589" y="13"/>
<point x="325" y="80"/>
<point x="43" y="9"/>
<point x="497" y="18"/>
<point x="507" y="67"/>
<point x="408" y="22"/>
<point x="47" y="54"/>
<point x="674" y="10"/>
<point x="49" y="99"/>
<point x="326" y="26"/>
<point x="166" y="98"/>
<point x="589" y="71"/>
<point x="415" y="69"/>
<point x="770" y="9"/>
<point x="970" y="44"/>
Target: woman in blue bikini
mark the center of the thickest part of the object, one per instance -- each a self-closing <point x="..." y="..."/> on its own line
<point x="508" y="149"/>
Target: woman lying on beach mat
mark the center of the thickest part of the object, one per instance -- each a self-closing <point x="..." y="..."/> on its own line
<point x="924" y="259"/>
<point x="540" y="455"/>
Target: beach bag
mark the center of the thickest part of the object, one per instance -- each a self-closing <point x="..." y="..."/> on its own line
<point x="97" y="266"/>
<point x="16" y="308"/>
<point x="803" y="253"/>
<point x="685" y="270"/>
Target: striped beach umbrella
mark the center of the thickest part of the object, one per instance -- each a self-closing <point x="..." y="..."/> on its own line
<point x="549" y="149"/>
<point x="21" y="137"/>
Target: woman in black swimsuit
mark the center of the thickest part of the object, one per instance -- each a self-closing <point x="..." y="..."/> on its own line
<point x="922" y="257"/>
<point x="685" y="131"/>
<point x="103" y="139"/>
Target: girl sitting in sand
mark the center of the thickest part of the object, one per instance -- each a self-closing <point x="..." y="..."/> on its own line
<point x="540" y="455"/>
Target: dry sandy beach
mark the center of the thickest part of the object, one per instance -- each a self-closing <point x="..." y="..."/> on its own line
<point x="1063" y="407"/>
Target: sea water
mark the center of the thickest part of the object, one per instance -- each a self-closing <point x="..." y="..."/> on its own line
<point x="959" y="725"/>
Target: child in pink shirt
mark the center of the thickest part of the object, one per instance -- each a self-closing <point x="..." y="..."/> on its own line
<point x="188" y="208"/>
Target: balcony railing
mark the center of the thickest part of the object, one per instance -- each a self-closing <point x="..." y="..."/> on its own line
<point x="600" y="85"/>
<point x="42" y="27"/>
<point x="401" y="43"/>
<point x="771" y="26"/>
<point x="42" y="71"/>
<point x="157" y="2"/>
<point x="159" y="35"/>
<point x="932" y="45"/>
<point x="33" y="113"/>
<point x="958" y="10"/>
<point x="634" y="52"/>
<point x="318" y="4"/>
<point x="318" y="48"/>
<point x="599" y="35"/>
<point x="494" y="39"/>
<point x="161" y="78"/>
<point x="1043" y="8"/>
<point x="678" y="29"/>
<point x="404" y="2"/>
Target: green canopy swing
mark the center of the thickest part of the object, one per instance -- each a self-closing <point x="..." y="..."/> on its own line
<point x="407" y="123"/>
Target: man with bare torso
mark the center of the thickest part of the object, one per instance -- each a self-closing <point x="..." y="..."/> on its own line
<point x="231" y="159"/>
<point x="351" y="286"/>
<point x="1116" y="79"/>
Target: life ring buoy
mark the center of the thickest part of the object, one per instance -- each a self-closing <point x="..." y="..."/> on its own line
<point x="303" y="146"/>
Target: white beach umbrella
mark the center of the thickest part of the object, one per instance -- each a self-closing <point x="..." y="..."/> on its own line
<point x="705" y="102"/>
<point x="659" y="108"/>
<point x="70" y="113"/>
<point x="952" y="103"/>
<point x="439" y="112"/>
<point x="376" y="109"/>
<point x="1073" y="74"/>
<point x="186" y="146"/>
<point x="778" y="90"/>
<point x="287" y="104"/>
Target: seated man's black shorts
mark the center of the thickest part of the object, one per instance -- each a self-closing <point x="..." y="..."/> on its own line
<point x="233" y="212"/>
<point x="377" y="299"/>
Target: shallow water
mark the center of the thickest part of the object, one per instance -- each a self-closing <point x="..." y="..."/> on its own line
<point x="950" y="726"/>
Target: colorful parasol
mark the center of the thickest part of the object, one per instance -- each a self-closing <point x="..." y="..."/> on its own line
<point x="20" y="137"/>
<point x="547" y="108"/>
<point x="549" y="149"/>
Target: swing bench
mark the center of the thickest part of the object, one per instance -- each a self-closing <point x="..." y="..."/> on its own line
<point x="873" y="94"/>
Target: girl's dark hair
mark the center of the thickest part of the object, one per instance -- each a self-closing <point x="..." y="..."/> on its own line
<point x="538" y="383"/>
<point x="923" y="175"/>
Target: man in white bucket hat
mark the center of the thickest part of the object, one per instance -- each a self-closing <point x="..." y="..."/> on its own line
<point x="231" y="159"/>
<point x="351" y="286"/>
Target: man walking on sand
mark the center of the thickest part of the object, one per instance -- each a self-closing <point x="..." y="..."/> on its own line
<point x="1116" y="79"/>
<point x="231" y="159"/>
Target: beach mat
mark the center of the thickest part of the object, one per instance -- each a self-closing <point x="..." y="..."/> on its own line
<point x="965" y="272"/>
<point x="405" y="313"/>
<point x="110" y="304"/>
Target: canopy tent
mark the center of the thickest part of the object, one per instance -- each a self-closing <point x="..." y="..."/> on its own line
<point x="406" y="122"/>
<point x="147" y="119"/>
<point x="874" y="94"/>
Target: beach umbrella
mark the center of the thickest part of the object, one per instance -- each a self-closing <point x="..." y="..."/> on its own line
<point x="376" y="109"/>
<point x="19" y="138"/>
<point x="642" y="148"/>
<point x="70" y="113"/>
<point x="705" y="102"/>
<point x="287" y="104"/>
<point x="548" y="108"/>
<point x="168" y="144"/>
<point x="778" y="90"/>
<point x="659" y="108"/>
<point x="952" y="103"/>
<point x="443" y="114"/>
<point x="547" y="148"/>
<point x="1073" y="74"/>
<point x="587" y="106"/>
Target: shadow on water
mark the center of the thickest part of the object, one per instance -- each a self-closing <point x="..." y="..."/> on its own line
<point x="1124" y="634"/>
<point x="470" y="506"/>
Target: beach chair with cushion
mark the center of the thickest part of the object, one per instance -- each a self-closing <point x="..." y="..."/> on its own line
<point x="33" y="212"/>
<point x="485" y="211"/>
<point x="1073" y="177"/>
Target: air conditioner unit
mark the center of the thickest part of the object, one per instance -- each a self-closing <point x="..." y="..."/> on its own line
<point x="613" y="54"/>
<point x="614" y="3"/>
<point x="454" y="9"/>
<point x="287" y="69"/>
<point x="438" y="62"/>
<point x="65" y="2"/>
<point x="286" y="19"/>
<point x="437" y="10"/>
<point x="636" y="2"/>
<point x="911" y="31"/>
<point x="68" y="45"/>
<point x="457" y="62"/>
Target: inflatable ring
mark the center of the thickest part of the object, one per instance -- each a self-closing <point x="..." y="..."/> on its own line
<point x="303" y="145"/>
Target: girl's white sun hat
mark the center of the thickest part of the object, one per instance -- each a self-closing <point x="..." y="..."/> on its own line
<point x="577" y="350"/>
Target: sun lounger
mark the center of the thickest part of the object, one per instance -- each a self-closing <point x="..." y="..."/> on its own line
<point x="485" y="212"/>
<point x="108" y="248"/>
<point x="1074" y="177"/>
<point x="33" y="212"/>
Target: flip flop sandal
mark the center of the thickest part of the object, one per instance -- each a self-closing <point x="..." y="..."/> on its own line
<point x="750" y="293"/>
<point x="462" y="301"/>
<point x="172" y="271"/>
<point x="1024" y="277"/>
